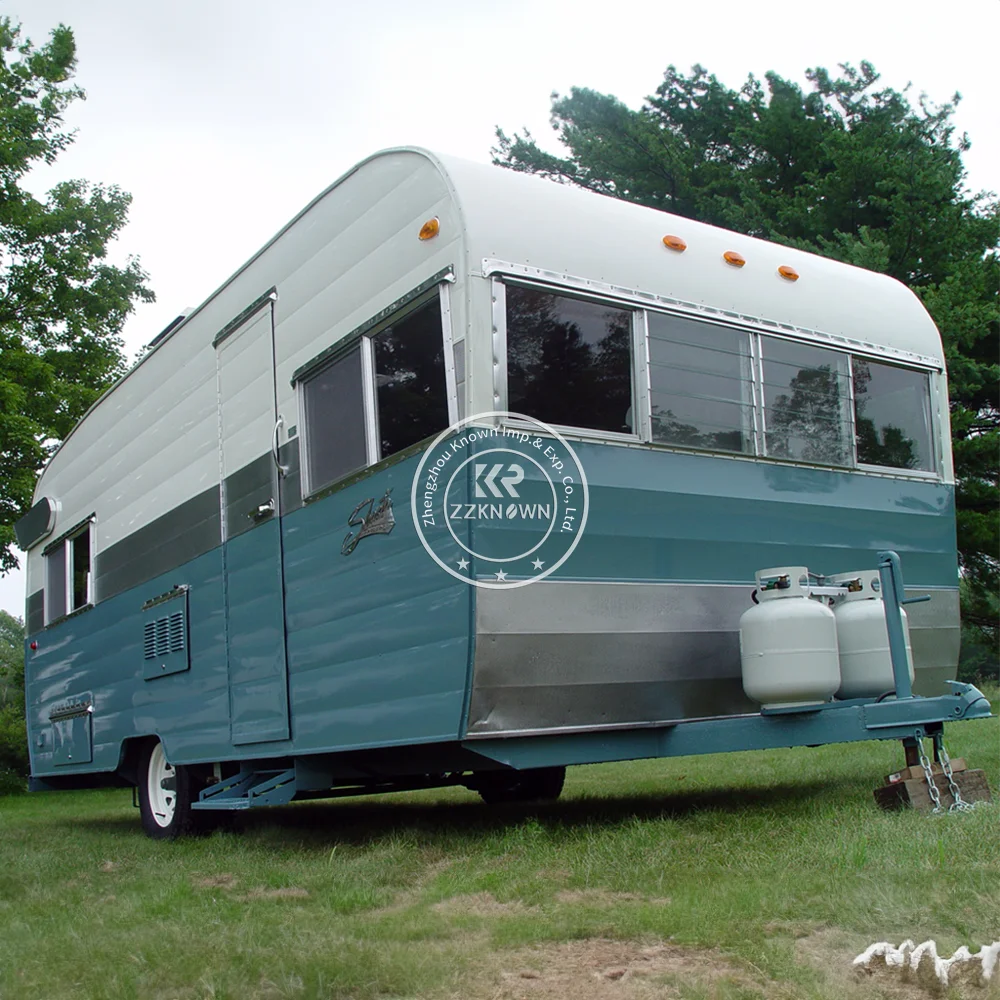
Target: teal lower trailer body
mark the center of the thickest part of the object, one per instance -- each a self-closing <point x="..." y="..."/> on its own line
<point x="895" y="715"/>
<point x="369" y="667"/>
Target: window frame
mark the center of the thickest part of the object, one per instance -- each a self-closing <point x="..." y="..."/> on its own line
<point x="936" y="458"/>
<point x="64" y="544"/>
<point x="638" y="346"/>
<point x="309" y="489"/>
<point x="750" y="400"/>
<point x="362" y="338"/>
<point x="640" y="304"/>
<point x="846" y="403"/>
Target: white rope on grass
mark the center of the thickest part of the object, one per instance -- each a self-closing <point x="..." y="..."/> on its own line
<point x="922" y="961"/>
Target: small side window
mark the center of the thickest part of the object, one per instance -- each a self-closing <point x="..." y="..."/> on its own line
<point x="701" y="391"/>
<point x="69" y="574"/>
<point x="806" y="403"/>
<point x="569" y="361"/>
<point x="410" y="389"/>
<point x="892" y="416"/>
<point x="334" y="412"/>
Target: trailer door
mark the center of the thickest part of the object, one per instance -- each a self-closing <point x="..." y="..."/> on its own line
<point x="251" y="513"/>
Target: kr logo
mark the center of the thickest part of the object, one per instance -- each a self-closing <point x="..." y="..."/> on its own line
<point x="509" y="481"/>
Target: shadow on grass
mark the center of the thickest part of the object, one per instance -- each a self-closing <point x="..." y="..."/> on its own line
<point x="359" y="821"/>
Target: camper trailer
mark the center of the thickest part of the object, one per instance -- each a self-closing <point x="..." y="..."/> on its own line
<point x="230" y="602"/>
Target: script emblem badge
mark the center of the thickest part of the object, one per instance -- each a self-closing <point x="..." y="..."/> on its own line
<point x="377" y="521"/>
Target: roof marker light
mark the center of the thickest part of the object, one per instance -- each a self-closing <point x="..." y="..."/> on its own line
<point x="734" y="258"/>
<point x="674" y="243"/>
<point x="788" y="273"/>
<point x="430" y="229"/>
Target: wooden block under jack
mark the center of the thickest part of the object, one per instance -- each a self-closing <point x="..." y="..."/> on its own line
<point x="914" y="792"/>
<point x="958" y="764"/>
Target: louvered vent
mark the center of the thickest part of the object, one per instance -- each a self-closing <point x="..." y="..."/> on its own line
<point x="165" y="647"/>
<point x="163" y="636"/>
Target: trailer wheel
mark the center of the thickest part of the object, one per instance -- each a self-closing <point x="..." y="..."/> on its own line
<point x="165" y="795"/>
<point x="537" y="784"/>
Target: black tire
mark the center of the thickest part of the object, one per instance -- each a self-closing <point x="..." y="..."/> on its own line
<point x="165" y="812"/>
<point x="538" y="784"/>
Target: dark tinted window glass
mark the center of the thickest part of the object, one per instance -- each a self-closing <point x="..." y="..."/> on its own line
<point x="335" y="421"/>
<point x="409" y="380"/>
<point x="892" y="416"/>
<point x="806" y="403"/>
<point x="699" y="377"/>
<point x="568" y="362"/>
<point x="55" y="583"/>
<point x="80" y="545"/>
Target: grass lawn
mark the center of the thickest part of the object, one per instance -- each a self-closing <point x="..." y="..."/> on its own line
<point x="731" y="876"/>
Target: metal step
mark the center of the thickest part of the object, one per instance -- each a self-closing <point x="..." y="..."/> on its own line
<point x="249" y="789"/>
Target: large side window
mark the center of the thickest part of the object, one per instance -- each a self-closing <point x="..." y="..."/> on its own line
<point x="701" y="393"/>
<point x="410" y="390"/>
<point x="569" y="361"/>
<point x="334" y="412"/>
<point x="892" y="416"/>
<point x="69" y="574"/>
<point x="806" y="398"/>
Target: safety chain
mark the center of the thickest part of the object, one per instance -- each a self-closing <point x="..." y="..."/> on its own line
<point x="959" y="804"/>
<point x="928" y="775"/>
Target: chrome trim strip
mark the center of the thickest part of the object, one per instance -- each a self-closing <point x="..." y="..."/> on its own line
<point x="179" y="591"/>
<point x="445" y="274"/>
<point x="756" y="403"/>
<point x="251" y="310"/>
<point x="450" y="382"/>
<point x="68" y="533"/>
<point x="601" y="727"/>
<point x="665" y="303"/>
<point x="642" y="388"/>
<point x="72" y="710"/>
<point x="498" y="294"/>
<point x="370" y="400"/>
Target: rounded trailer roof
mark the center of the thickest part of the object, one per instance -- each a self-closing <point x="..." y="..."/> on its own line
<point x="530" y="221"/>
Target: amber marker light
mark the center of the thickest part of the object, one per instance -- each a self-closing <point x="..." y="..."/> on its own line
<point x="788" y="273"/>
<point x="430" y="229"/>
<point x="734" y="258"/>
<point x="674" y="243"/>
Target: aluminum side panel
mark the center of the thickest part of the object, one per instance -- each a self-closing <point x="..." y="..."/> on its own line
<point x="578" y="655"/>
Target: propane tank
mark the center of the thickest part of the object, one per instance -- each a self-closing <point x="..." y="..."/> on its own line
<point x="862" y="637"/>
<point x="788" y="643"/>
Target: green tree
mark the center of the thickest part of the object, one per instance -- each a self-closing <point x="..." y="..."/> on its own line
<point x="13" y="737"/>
<point x="849" y="170"/>
<point x="62" y="305"/>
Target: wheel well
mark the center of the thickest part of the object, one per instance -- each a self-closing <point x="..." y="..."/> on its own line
<point x="131" y="751"/>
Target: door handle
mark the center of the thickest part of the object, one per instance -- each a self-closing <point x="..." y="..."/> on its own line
<point x="278" y="424"/>
<point x="261" y="511"/>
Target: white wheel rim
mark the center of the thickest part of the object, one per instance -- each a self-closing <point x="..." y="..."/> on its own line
<point x="162" y="801"/>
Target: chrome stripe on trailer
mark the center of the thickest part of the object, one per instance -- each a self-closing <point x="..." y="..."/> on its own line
<point x="578" y="655"/>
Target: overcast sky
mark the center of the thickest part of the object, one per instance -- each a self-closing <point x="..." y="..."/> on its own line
<point x="224" y="117"/>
